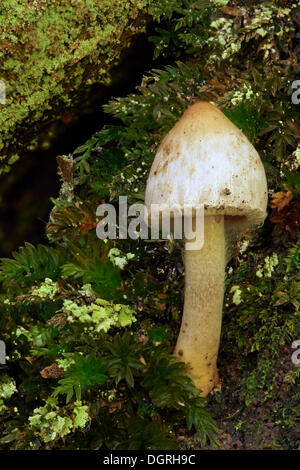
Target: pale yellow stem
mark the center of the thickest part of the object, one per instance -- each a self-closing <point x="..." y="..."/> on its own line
<point x="199" y="337"/>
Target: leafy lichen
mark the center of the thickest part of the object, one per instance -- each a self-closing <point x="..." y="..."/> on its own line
<point x="50" y="52"/>
<point x="51" y="421"/>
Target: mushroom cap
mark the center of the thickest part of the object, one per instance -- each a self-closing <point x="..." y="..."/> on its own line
<point x="205" y="159"/>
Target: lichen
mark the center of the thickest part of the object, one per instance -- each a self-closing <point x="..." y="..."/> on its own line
<point x="47" y="290"/>
<point x="237" y="295"/>
<point x="51" y="52"/>
<point x="51" y="422"/>
<point x="100" y="315"/>
<point x="269" y="265"/>
<point x="117" y="260"/>
<point x="7" y="389"/>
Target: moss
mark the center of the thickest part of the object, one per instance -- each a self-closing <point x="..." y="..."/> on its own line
<point x="261" y="319"/>
<point x="50" y="52"/>
<point x="47" y="290"/>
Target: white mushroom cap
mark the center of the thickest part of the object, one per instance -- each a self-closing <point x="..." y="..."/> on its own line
<point x="205" y="159"/>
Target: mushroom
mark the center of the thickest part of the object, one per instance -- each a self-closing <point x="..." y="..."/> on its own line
<point x="206" y="160"/>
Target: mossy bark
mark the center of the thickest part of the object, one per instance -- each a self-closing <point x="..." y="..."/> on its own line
<point x="50" y="52"/>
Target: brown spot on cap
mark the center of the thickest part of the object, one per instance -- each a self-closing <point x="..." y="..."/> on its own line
<point x="165" y="165"/>
<point x="167" y="148"/>
<point x="226" y="191"/>
<point x="180" y="352"/>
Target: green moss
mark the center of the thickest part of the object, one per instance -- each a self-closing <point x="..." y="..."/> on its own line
<point x="262" y="319"/>
<point x="49" y="51"/>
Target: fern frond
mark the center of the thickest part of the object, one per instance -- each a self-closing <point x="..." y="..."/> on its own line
<point x="84" y="373"/>
<point x="30" y="264"/>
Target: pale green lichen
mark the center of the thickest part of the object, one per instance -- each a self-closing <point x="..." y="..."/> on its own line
<point x="297" y="155"/>
<point x="117" y="260"/>
<point x="220" y="3"/>
<point x="3" y="407"/>
<point x="51" y="422"/>
<point x="109" y="395"/>
<point x="100" y="315"/>
<point x="67" y="39"/>
<point x="34" y="335"/>
<point x="81" y="415"/>
<point x="46" y="290"/>
<point x="222" y="36"/>
<point x="242" y="95"/>
<point x="22" y="331"/>
<point x="270" y="263"/>
<point x="87" y="291"/>
<point x="259" y="272"/>
<point x="243" y="246"/>
<point x="261" y="23"/>
<point x="7" y="389"/>
<point x="268" y="268"/>
<point x="237" y="295"/>
<point x="65" y="362"/>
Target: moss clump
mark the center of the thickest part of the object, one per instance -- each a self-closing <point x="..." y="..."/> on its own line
<point x="50" y="53"/>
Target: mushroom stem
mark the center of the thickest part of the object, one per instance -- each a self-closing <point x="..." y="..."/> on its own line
<point x="199" y="337"/>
